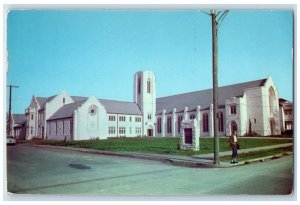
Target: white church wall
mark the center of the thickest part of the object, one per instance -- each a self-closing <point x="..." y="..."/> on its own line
<point x="267" y="115"/>
<point x="255" y="110"/>
<point x="232" y="117"/>
<point x="90" y="121"/>
<point x="145" y="97"/>
<point x="242" y="112"/>
<point x="32" y="119"/>
<point x="121" y="125"/>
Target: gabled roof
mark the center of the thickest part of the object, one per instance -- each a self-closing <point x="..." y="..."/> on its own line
<point x="120" y="107"/>
<point x="111" y="106"/>
<point x="204" y="97"/>
<point x="78" y="98"/>
<point x="19" y="118"/>
<point x="115" y="106"/>
<point x="66" y="111"/>
<point x="43" y="100"/>
<point x="281" y="100"/>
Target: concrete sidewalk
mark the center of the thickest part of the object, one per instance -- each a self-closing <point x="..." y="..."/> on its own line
<point x="242" y="151"/>
<point x="200" y="161"/>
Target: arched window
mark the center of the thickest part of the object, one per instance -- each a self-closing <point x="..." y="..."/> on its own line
<point x="233" y="109"/>
<point x="271" y="100"/>
<point x="139" y="85"/>
<point x="192" y="116"/>
<point x="159" y="125"/>
<point x="169" y="124"/>
<point x="221" y="122"/>
<point x="148" y="85"/>
<point x="205" y="122"/>
<point x="179" y="120"/>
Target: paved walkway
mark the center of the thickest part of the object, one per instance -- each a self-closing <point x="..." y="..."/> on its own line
<point x="203" y="161"/>
<point x="242" y="151"/>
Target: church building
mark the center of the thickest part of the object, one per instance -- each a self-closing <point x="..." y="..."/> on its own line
<point x="250" y="108"/>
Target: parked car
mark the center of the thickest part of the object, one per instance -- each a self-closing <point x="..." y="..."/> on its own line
<point x="10" y="140"/>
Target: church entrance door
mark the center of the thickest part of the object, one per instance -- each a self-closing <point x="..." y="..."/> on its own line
<point x="150" y="132"/>
<point x="43" y="129"/>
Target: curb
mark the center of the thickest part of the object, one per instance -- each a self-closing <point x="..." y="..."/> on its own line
<point x="170" y="160"/>
<point x="268" y="158"/>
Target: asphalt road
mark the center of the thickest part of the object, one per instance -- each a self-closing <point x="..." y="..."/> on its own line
<point x="32" y="170"/>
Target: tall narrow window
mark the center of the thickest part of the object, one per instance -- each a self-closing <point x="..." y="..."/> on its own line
<point x="233" y="109"/>
<point x="205" y="122"/>
<point x="192" y="116"/>
<point x="139" y="85"/>
<point x="64" y="100"/>
<point x="169" y="124"/>
<point x="271" y="100"/>
<point x="221" y="122"/>
<point x="148" y="85"/>
<point x="159" y="125"/>
<point x="179" y="120"/>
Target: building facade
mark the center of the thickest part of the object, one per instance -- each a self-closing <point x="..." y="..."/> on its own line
<point x="250" y="108"/>
<point x="17" y="126"/>
<point x="286" y="115"/>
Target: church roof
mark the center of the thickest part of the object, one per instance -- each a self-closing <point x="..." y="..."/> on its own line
<point x="67" y="110"/>
<point x="204" y="98"/>
<point x="78" y="98"/>
<point x="115" y="106"/>
<point x="120" y="107"/>
<point x="19" y="118"/>
<point x="43" y="100"/>
<point x="111" y="106"/>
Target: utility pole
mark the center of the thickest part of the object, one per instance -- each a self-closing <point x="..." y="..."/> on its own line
<point x="216" y="19"/>
<point x="215" y="84"/>
<point x="9" y="108"/>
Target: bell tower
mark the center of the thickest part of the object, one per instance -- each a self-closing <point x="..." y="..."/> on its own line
<point x="145" y="98"/>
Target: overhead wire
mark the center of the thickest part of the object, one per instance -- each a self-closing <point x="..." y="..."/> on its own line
<point x="220" y="20"/>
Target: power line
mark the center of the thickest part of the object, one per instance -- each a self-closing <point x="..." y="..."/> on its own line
<point x="220" y="20"/>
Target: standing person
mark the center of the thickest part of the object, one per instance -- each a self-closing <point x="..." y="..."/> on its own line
<point x="234" y="147"/>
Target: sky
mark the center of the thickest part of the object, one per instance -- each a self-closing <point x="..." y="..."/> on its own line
<point x="97" y="52"/>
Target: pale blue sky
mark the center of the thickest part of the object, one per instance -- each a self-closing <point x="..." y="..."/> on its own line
<point x="97" y="52"/>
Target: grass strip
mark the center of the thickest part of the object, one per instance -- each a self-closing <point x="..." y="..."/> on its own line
<point x="163" y="145"/>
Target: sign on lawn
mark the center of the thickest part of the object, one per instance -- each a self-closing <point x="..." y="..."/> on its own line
<point x="190" y="134"/>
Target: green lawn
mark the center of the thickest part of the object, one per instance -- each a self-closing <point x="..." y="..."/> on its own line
<point x="163" y="145"/>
